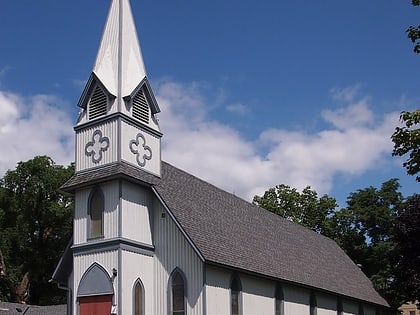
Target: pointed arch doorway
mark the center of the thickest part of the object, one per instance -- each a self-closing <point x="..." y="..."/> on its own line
<point x="96" y="292"/>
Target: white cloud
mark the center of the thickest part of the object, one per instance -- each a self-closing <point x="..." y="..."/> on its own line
<point x="33" y="126"/>
<point x="356" y="142"/>
<point x="237" y="108"/>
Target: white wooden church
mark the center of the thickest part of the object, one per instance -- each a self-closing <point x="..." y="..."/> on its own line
<point x="151" y="239"/>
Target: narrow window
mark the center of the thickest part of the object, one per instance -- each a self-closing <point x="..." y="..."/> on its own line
<point x="235" y="295"/>
<point x="312" y="304"/>
<point x="138" y="298"/>
<point x="279" y="300"/>
<point x="177" y="293"/>
<point x="96" y="210"/>
<point x="361" y="310"/>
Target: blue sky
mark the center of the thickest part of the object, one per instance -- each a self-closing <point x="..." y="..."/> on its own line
<point x="260" y="92"/>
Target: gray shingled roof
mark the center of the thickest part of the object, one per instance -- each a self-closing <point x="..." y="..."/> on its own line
<point x="11" y="309"/>
<point x="231" y="232"/>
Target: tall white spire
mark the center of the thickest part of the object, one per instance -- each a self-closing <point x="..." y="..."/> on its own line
<point x="119" y="64"/>
<point x="118" y="122"/>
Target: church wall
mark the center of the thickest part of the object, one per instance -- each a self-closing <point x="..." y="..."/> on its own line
<point x="217" y="291"/>
<point x="326" y="304"/>
<point x="136" y="266"/>
<point x="136" y="220"/>
<point x="130" y="133"/>
<point x="296" y="300"/>
<point x="80" y="216"/>
<point x="111" y="196"/>
<point x="350" y="307"/>
<point x="257" y="296"/>
<point x="107" y="259"/>
<point x="172" y="250"/>
<point x="369" y="310"/>
<point x="85" y="136"/>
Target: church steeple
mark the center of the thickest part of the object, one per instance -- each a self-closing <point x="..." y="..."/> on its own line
<point x="118" y="101"/>
<point x="119" y="64"/>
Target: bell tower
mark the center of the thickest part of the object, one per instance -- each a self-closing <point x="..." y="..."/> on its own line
<point x="117" y="161"/>
<point x="117" y="121"/>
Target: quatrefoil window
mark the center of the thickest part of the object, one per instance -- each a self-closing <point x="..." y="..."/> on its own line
<point x="140" y="149"/>
<point x="98" y="145"/>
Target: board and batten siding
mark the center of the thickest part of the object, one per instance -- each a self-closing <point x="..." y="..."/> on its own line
<point x="136" y="266"/>
<point x="326" y="304"/>
<point x="136" y="219"/>
<point x="107" y="259"/>
<point x="128" y="134"/>
<point x="111" y="206"/>
<point x="172" y="250"/>
<point x="108" y="129"/>
<point x="258" y="296"/>
<point x="296" y="300"/>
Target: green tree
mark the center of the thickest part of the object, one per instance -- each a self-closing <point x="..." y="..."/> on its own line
<point x="407" y="138"/>
<point x="373" y="213"/>
<point x="304" y="208"/>
<point x="406" y="256"/>
<point x="407" y="141"/>
<point x="413" y="32"/>
<point x="35" y="226"/>
<point x="364" y="229"/>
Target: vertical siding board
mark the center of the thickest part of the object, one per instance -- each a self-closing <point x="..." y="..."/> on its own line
<point x="129" y="132"/>
<point x="172" y="251"/>
<point x="135" y="214"/>
<point x="109" y="130"/>
<point x="80" y="216"/>
<point x="136" y="266"/>
<point x="111" y="208"/>
<point x="111" y="193"/>
<point x="326" y="304"/>
<point x="350" y="308"/>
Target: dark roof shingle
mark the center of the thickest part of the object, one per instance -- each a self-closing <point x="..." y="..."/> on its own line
<point x="7" y="308"/>
<point x="230" y="231"/>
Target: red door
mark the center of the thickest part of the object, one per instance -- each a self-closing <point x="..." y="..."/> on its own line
<point x="95" y="305"/>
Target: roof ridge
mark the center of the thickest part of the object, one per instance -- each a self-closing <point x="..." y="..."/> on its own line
<point x="255" y="206"/>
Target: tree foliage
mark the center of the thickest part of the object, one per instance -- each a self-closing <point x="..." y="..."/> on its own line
<point x="304" y="208"/>
<point x="364" y="229"/>
<point x="35" y="226"/>
<point x="413" y="32"/>
<point x="373" y="213"/>
<point x="407" y="141"/>
<point x="407" y="251"/>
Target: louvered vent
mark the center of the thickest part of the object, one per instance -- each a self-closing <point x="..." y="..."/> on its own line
<point x="141" y="109"/>
<point x="97" y="104"/>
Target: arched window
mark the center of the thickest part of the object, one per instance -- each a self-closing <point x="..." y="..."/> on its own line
<point x="177" y="294"/>
<point x="235" y="296"/>
<point x="96" y="211"/>
<point x="312" y="304"/>
<point x="279" y="300"/>
<point x="138" y="307"/>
